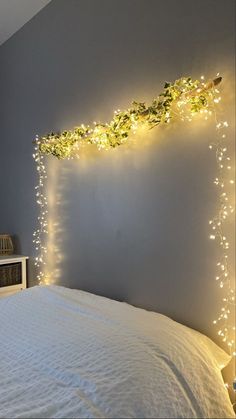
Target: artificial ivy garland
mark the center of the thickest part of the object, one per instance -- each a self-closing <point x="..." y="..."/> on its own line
<point x="183" y="92"/>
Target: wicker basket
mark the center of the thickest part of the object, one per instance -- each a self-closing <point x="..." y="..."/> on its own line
<point x="6" y="245"/>
<point x="10" y="274"/>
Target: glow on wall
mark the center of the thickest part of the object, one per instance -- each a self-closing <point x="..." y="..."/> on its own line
<point x="181" y="100"/>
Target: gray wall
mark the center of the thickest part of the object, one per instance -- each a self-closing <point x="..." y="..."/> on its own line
<point x="131" y="224"/>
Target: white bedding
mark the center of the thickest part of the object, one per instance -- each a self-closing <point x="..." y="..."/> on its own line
<point x="70" y="354"/>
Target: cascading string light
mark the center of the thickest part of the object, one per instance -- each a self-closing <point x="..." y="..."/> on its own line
<point x="224" y="323"/>
<point x="39" y="235"/>
<point x="183" y="99"/>
<point x="217" y="224"/>
<point x="226" y="329"/>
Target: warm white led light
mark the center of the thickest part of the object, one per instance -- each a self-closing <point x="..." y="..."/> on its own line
<point x="217" y="224"/>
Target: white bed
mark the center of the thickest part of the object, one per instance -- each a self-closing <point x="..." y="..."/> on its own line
<point x="70" y="354"/>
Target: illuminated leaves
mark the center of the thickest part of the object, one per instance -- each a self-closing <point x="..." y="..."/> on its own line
<point x="190" y="94"/>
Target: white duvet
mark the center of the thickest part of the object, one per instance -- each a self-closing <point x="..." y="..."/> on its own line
<point x="70" y="354"/>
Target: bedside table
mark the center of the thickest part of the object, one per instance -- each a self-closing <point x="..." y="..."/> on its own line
<point x="12" y="274"/>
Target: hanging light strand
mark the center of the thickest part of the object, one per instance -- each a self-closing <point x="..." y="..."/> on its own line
<point x="39" y="236"/>
<point x="224" y="182"/>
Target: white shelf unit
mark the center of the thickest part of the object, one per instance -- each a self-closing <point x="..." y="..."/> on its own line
<point x="12" y="260"/>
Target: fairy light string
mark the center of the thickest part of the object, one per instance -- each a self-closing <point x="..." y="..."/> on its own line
<point x="39" y="235"/>
<point x="224" y="278"/>
<point x="183" y="99"/>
